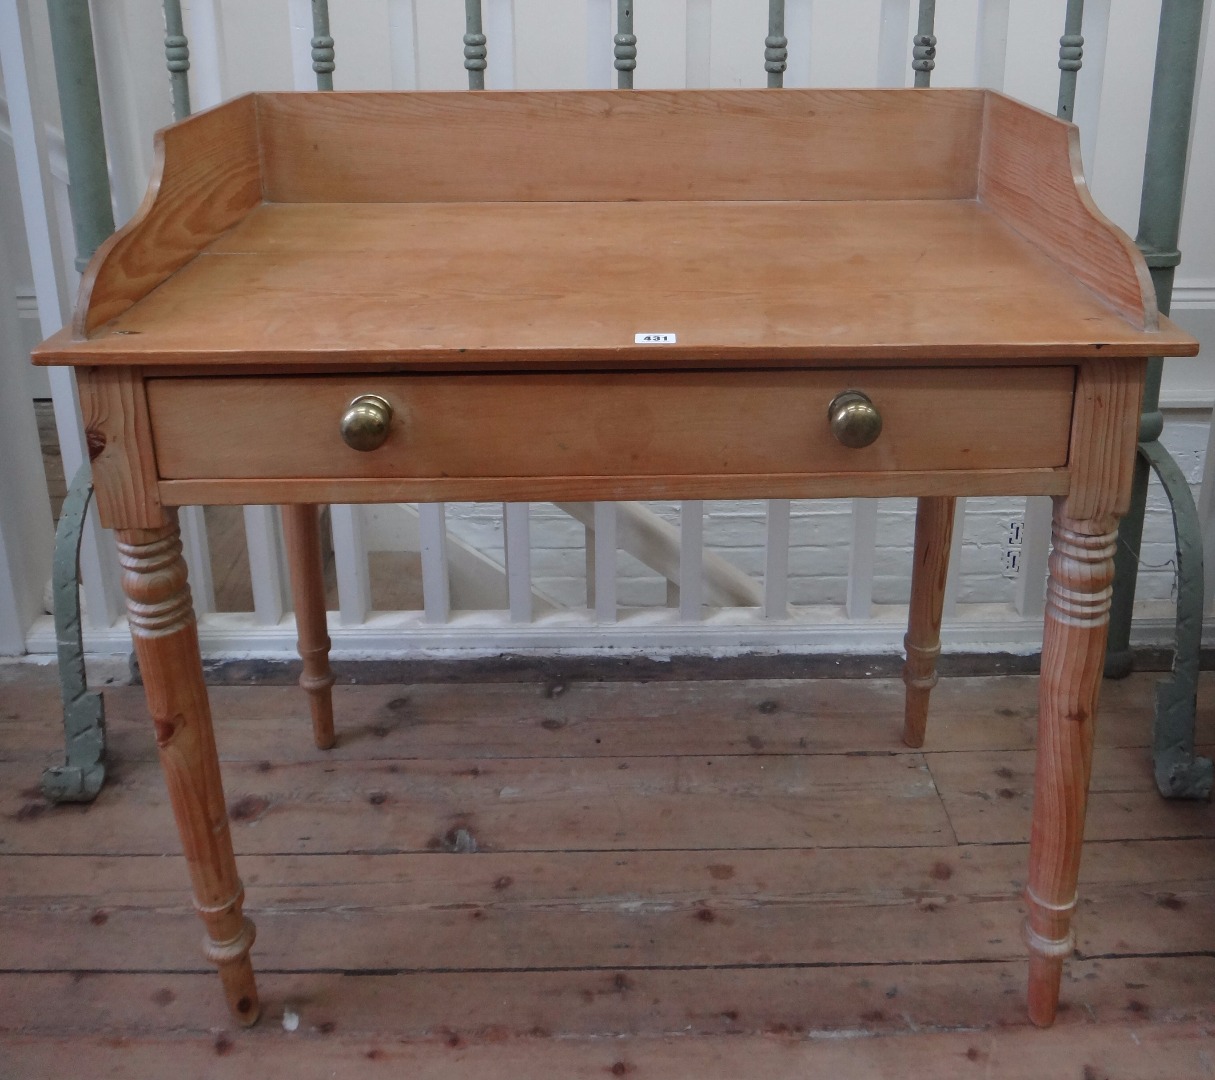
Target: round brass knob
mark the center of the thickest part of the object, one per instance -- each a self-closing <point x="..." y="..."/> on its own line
<point x="365" y="422"/>
<point x="854" y="419"/>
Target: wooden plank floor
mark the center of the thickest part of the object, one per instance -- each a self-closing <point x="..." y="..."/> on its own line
<point x="676" y="879"/>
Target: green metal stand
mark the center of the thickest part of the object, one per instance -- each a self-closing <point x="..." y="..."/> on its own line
<point x="1179" y="774"/>
<point x="80" y="777"/>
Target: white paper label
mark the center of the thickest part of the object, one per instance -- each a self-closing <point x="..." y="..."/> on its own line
<point x="654" y="339"/>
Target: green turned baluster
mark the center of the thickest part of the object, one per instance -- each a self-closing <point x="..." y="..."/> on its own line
<point x="1179" y="774"/>
<point x="625" y="43"/>
<point x="322" y="45"/>
<point x="84" y="140"/>
<point x="1071" y="59"/>
<point x="924" y="44"/>
<point x="474" y="45"/>
<point x="776" y="45"/>
<point x="177" y="58"/>
<point x="81" y="775"/>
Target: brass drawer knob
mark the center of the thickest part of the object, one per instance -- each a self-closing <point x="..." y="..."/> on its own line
<point x="855" y="421"/>
<point x="365" y="422"/>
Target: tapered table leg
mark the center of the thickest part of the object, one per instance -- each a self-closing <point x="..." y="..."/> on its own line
<point x="1073" y="653"/>
<point x="166" y="641"/>
<point x="933" y="534"/>
<point x="301" y="526"/>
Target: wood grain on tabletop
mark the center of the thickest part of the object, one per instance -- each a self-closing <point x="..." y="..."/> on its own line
<point x="534" y="284"/>
<point x="602" y="145"/>
<point x="1030" y="173"/>
<point x="205" y="178"/>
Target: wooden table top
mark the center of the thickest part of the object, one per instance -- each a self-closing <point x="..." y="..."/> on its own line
<point x="315" y="231"/>
<point x="464" y="284"/>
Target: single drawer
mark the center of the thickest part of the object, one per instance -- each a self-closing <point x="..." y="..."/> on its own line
<point x="612" y="424"/>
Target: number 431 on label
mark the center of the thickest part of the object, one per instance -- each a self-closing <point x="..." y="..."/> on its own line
<point x="654" y="339"/>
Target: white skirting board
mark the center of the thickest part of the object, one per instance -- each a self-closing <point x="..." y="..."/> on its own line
<point x="989" y="629"/>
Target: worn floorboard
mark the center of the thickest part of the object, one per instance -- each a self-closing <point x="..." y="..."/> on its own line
<point x="727" y="879"/>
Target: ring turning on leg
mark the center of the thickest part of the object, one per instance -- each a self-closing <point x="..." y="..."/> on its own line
<point x="1073" y="651"/>
<point x="166" y="643"/>
<point x="301" y="526"/>
<point x="933" y="534"/>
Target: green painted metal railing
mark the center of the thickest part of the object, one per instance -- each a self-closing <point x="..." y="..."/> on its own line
<point x="83" y="135"/>
<point x="177" y="59"/>
<point x="924" y="44"/>
<point x="475" y="54"/>
<point x="82" y="773"/>
<point x="1179" y="774"/>
<point x="625" y="45"/>
<point x="322" y="45"/>
<point x="776" y="45"/>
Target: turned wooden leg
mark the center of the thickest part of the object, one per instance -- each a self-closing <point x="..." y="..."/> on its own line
<point x="166" y="641"/>
<point x="933" y="534"/>
<point x="1073" y="652"/>
<point x="301" y="526"/>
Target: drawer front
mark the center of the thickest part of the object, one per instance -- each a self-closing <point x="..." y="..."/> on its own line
<point x="614" y="424"/>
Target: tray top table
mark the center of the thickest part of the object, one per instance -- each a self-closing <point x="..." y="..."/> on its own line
<point x="604" y="295"/>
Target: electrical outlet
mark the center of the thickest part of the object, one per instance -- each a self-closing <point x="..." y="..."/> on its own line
<point x="1010" y="563"/>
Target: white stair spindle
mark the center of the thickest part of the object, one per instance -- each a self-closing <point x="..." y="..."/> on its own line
<point x="267" y="574"/>
<point x="698" y="38"/>
<point x="691" y="559"/>
<point x="799" y="29"/>
<point x="436" y="582"/>
<point x="776" y="560"/>
<point x="894" y="43"/>
<point x="1206" y="521"/>
<point x="403" y="43"/>
<point x="517" y="533"/>
<point x="859" y="601"/>
<point x="300" y="14"/>
<point x="1035" y="550"/>
<point x="197" y="553"/>
<point x="204" y="29"/>
<point x="1090" y="79"/>
<point x="500" y="34"/>
<point x="991" y="44"/>
<point x="350" y="564"/>
<point x="604" y="571"/>
<point x="600" y="74"/>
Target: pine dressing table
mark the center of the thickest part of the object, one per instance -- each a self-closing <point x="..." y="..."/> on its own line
<point x="598" y="296"/>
